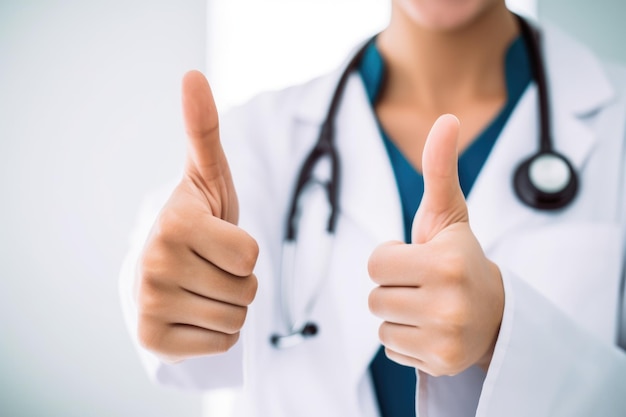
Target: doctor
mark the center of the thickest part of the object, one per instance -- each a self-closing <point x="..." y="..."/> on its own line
<point x="498" y="308"/>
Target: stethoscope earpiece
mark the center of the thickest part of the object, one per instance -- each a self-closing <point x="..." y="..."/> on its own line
<point x="546" y="181"/>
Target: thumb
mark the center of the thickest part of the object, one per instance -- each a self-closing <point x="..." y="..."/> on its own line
<point x="206" y="166"/>
<point x="443" y="202"/>
<point x="204" y="150"/>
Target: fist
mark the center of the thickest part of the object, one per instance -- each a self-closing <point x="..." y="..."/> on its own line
<point x="196" y="272"/>
<point x="441" y="300"/>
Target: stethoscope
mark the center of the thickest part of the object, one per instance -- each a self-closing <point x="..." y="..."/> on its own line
<point x="545" y="181"/>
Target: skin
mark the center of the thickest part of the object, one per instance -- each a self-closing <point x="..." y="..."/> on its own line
<point x="437" y="66"/>
<point x="196" y="272"/>
<point x="440" y="299"/>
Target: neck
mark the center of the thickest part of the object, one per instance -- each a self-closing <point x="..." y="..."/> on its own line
<point x="444" y="70"/>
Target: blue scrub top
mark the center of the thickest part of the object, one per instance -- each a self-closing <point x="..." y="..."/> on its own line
<point x="409" y="181"/>
<point x="395" y="384"/>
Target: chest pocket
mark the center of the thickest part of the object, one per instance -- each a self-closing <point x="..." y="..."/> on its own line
<point x="577" y="266"/>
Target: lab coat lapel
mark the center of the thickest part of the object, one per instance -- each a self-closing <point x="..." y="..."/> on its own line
<point x="368" y="192"/>
<point x="370" y="205"/>
<point x="370" y="214"/>
<point x="493" y="206"/>
<point x="494" y="209"/>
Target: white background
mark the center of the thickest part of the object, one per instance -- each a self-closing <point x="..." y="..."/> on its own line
<point x="90" y="120"/>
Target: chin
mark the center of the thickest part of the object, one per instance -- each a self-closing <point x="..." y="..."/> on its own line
<point x="444" y="15"/>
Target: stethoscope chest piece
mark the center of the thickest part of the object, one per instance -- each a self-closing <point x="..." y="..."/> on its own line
<point x="283" y="341"/>
<point x="546" y="181"/>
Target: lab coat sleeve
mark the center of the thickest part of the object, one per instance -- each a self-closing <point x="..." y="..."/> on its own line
<point x="547" y="362"/>
<point x="202" y="373"/>
<point x="544" y="364"/>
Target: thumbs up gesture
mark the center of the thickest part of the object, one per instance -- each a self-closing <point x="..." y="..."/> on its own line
<point x="195" y="274"/>
<point x="440" y="298"/>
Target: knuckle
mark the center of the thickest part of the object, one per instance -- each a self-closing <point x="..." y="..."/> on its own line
<point x="384" y="334"/>
<point x="453" y="315"/>
<point x="149" y="334"/>
<point x="170" y="227"/>
<point x="453" y="268"/>
<point x="149" y="269"/>
<point x="249" y="289"/>
<point x="204" y="131"/>
<point x="247" y="256"/>
<point x="236" y="320"/>
<point x="224" y="342"/>
<point x="375" y="265"/>
<point x="149" y="297"/>
<point x="381" y="259"/>
<point x="150" y="262"/>
<point x="375" y="302"/>
<point x="152" y="291"/>
<point x="449" y="358"/>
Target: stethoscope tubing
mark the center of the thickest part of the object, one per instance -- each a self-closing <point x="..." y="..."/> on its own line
<point x="528" y="186"/>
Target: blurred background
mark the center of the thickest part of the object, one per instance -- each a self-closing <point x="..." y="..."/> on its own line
<point x="90" y="121"/>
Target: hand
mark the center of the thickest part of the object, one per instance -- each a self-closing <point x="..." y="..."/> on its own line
<point x="195" y="274"/>
<point x="440" y="298"/>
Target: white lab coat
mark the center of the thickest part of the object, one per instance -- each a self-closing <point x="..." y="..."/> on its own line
<point x="556" y="353"/>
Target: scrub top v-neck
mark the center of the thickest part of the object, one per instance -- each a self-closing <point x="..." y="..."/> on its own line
<point x="409" y="181"/>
